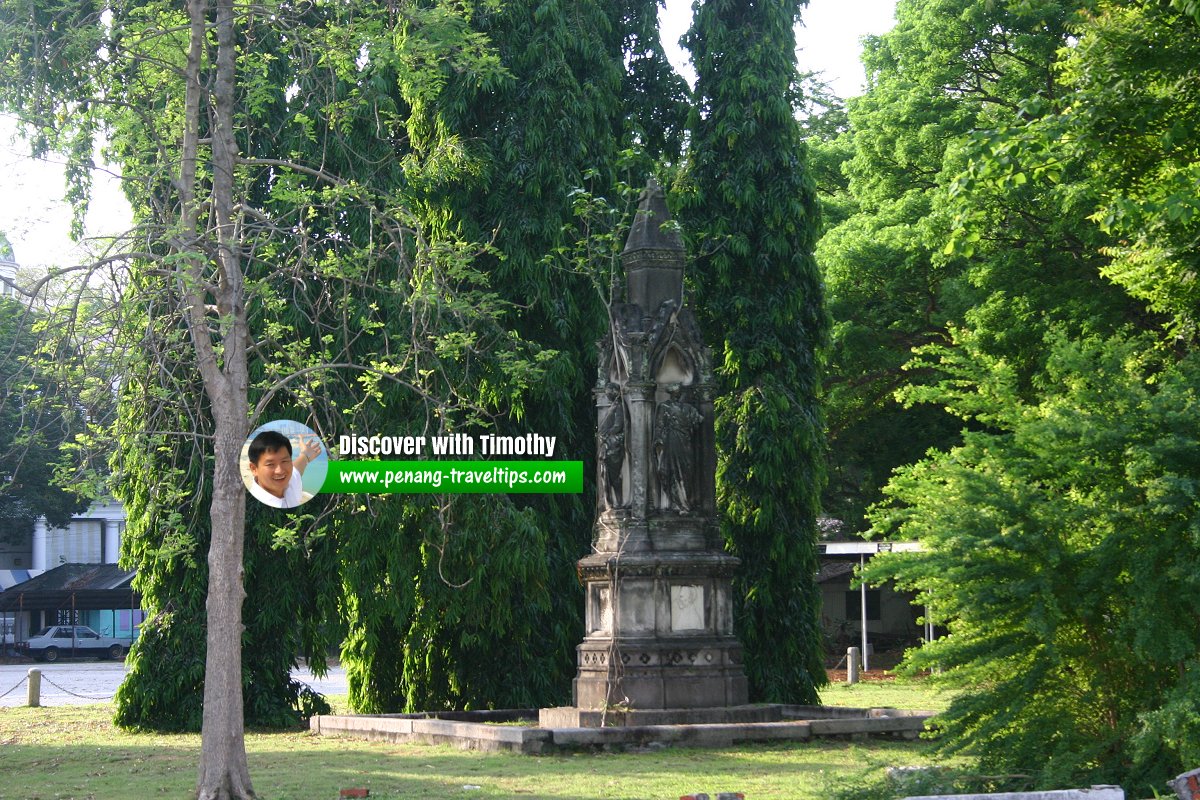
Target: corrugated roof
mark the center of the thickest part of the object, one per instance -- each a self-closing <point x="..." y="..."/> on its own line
<point x="79" y="577"/>
<point x="13" y="577"/>
<point x="80" y="587"/>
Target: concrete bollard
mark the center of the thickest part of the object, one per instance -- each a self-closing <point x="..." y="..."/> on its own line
<point x="34" y="690"/>
<point x="852" y="664"/>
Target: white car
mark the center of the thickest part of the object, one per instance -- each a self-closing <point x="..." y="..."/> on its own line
<point x="51" y="644"/>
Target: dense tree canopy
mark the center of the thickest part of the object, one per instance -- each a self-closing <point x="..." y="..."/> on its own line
<point x="1130" y="143"/>
<point x="467" y="578"/>
<point x="1032" y="233"/>
<point x="1061" y="535"/>
<point x="401" y="135"/>
<point x="748" y="200"/>
<point x="919" y="251"/>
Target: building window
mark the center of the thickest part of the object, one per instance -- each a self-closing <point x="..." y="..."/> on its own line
<point x="854" y="605"/>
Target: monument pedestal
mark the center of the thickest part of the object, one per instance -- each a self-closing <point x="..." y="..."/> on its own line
<point x="659" y="632"/>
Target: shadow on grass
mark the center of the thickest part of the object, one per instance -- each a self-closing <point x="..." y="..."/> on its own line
<point x="76" y="752"/>
<point x="297" y="766"/>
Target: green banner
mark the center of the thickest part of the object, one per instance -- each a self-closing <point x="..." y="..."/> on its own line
<point x="454" y="477"/>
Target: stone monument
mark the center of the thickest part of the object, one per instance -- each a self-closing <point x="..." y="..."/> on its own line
<point x="659" y="644"/>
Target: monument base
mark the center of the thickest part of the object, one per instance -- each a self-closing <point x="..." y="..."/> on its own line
<point x="658" y="673"/>
<point x="566" y="729"/>
<point x="574" y="717"/>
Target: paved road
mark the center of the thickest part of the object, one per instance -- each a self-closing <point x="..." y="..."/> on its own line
<point x="88" y="681"/>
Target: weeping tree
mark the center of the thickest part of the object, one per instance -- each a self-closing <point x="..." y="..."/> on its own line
<point x="746" y="198"/>
<point x="463" y="579"/>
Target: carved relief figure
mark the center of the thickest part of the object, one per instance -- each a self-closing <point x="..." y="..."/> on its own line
<point x="611" y="449"/>
<point x="676" y="427"/>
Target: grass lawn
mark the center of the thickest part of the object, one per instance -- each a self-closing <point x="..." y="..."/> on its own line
<point x="896" y="694"/>
<point x="75" y="752"/>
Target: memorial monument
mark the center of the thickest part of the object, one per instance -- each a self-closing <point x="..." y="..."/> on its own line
<point x="659" y="644"/>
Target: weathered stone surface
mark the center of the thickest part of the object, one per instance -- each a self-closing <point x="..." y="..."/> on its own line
<point x="1187" y="785"/>
<point x="862" y="727"/>
<point x="844" y="712"/>
<point x="653" y="254"/>
<point x="573" y="717"/>
<point x="1094" y="793"/>
<point x="373" y="728"/>
<point x="744" y="725"/>
<point x="716" y="735"/>
<point x="466" y="735"/>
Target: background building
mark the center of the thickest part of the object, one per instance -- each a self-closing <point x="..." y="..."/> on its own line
<point x="69" y="575"/>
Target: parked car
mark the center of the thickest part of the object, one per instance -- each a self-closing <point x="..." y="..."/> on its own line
<point x="57" y="641"/>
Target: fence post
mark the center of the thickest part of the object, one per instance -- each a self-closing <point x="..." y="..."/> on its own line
<point x="34" y="694"/>
<point x="852" y="664"/>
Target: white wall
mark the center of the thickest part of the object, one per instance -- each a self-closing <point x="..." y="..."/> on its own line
<point x="92" y="537"/>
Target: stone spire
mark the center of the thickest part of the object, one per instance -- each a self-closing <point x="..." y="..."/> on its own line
<point x="647" y="232"/>
<point x="653" y="255"/>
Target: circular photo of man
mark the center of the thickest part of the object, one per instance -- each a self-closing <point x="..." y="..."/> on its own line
<point x="284" y="463"/>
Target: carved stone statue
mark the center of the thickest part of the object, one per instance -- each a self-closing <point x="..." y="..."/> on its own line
<point x="611" y="449"/>
<point x="676" y="427"/>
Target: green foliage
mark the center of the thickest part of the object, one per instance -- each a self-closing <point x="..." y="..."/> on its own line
<point x="36" y="418"/>
<point x="1028" y="231"/>
<point x="653" y="95"/>
<point x="470" y="578"/>
<point x="926" y="244"/>
<point x="378" y="144"/>
<point x="162" y="470"/>
<point x="1118" y="149"/>
<point x="1060" y="536"/>
<point x="919" y="781"/>
<point x="746" y="197"/>
<point x="1139" y="135"/>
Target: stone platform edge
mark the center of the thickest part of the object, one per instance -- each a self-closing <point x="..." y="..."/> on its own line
<point x="819" y="722"/>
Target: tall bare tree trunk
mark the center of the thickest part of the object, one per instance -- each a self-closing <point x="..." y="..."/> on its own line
<point x="223" y="773"/>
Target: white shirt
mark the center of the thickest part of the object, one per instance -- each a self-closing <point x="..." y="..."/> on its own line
<point x="292" y="495"/>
